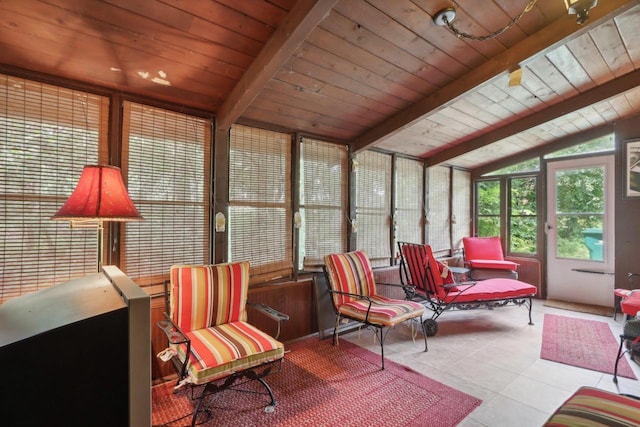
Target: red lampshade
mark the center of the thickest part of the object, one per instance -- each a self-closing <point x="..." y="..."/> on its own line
<point x="99" y="195"/>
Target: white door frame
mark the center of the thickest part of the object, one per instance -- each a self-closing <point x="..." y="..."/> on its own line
<point x="575" y="280"/>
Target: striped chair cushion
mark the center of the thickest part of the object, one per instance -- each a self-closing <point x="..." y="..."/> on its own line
<point x="384" y="311"/>
<point x="208" y="295"/>
<point x="594" y="407"/>
<point x="350" y="272"/>
<point x="222" y="350"/>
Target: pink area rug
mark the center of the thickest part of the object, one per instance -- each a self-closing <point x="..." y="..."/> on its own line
<point x="588" y="344"/>
<point x="325" y="385"/>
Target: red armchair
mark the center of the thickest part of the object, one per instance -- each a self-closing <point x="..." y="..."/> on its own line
<point x="485" y="259"/>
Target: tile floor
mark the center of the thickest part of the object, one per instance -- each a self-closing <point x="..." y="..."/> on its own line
<point x="495" y="356"/>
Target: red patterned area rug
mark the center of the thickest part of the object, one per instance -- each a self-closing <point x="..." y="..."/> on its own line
<point x="325" y="385"/>
<point x="588" y="344"/>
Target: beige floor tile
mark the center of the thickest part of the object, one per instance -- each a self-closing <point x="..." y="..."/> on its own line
<point x="494" y="355"/>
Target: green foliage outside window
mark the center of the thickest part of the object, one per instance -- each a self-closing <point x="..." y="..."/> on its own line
<point x="523" y="217"/>
<point x="488" y="193"/>
<point x="579" y="210"/>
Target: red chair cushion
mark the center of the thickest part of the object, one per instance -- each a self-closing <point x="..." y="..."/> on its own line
<point x="490" y="264"/>
<point x="491" y="289"/>
<point x="488" y="248"/>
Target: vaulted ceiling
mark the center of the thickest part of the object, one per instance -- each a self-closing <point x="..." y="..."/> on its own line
<point x="371" y="73"/>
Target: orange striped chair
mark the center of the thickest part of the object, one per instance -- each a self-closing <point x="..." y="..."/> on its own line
<point x="209" y="337"/>
<point x="354" y="296"/>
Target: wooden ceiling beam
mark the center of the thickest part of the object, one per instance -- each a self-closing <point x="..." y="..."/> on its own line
<point x="301" y="20"/>
<point x="540" y="42"/>
<point x="600" y="93"/>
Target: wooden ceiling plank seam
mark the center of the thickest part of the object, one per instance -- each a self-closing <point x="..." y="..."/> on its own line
<point x="621" y="105"/>
<point x="325" y="99"/>
<point x="566" y="63"/>
<point x="267" y="12"/>
<point x="608" y="40"/>
<point x="298" y="24"/>
<point x="597" y="94"/>
<point x="587" y="54"/>
<point x="101" y="11"/>
<point x="295" y="122"/>
<point x="229" y="18"/>
<point x="344" y="66"/>
<point x="357" y="115"/>
<point x="365" y="59"/>
<point x="92" y="67"/>
<point x="384" y="26"/>
<point x="317" y="119"/>
<point x="387" y="101"/>
<point x="499" y="96"/>
<point x="473" y="123"/>
<point x="466" y="107"/>
<point x="485" y="20"/>
<point x="417" y="16"/>
<point x="155" y="10"/>
<point x="133" y="37"/>
<point x="361" y="37"/>
<point x="540" y="42"/>
<point x="310" y="107"/>
<point x="628" y="27"/>
<point x="537" y="87"/>
<point x="545" y="70"/>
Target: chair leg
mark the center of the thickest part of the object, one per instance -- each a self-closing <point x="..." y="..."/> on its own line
<point x="271" y="396"/>
<point x="424" y="332"/>
<point x="620" y="354"/>
<point x="381" y="344"/>
<point x="616" y="304"/>
<point x="530" y="306"/>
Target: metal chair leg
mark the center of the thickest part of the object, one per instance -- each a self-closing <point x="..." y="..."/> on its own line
<point x="620" y="354"/>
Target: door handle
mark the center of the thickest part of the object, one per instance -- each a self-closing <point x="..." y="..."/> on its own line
<point x="547" y="227"/>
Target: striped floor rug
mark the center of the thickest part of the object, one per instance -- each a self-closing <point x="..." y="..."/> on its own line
<point x="325" y="385"/>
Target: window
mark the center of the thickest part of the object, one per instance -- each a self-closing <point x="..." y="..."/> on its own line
<point x="47" y="135"/>
<point x="488" y="208"/>
<point x="461" y="207"/>
<point x="323" y="200"/>
<point x="260" y="223"/>
<point x="531" y="165"/>
<point x="598" y="145"/>
<point x="523" y="219"/>
<point x="438" y="210"/>
<point x="167" y="162"/>
<point x="409" y="208"/>
<point x="580" y="212"/>
<point x="373" y="206"/>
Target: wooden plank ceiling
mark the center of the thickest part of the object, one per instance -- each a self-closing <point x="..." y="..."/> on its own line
<point x="371" y="73"/>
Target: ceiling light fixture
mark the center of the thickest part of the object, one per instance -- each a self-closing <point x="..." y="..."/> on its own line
<point x="446" y="16"/>
<point x="580" y="8"/>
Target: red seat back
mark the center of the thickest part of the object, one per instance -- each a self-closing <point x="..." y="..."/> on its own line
<point x="421" y="269"/>
<point x="486" y="248"/>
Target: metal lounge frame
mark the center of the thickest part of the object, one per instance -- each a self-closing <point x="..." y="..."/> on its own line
<point x="418" y="269"/>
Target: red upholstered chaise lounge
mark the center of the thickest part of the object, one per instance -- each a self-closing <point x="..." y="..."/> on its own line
<point x="419" y="269"/>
